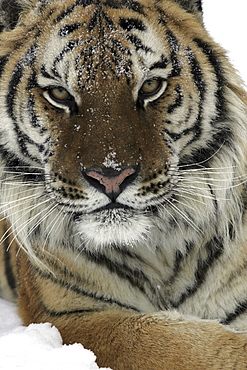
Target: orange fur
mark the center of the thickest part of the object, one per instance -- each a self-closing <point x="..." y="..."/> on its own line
<point x="123" y="340"/>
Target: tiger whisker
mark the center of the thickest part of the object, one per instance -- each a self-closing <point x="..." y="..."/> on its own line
<point x="219" y="179"/>
<point x="206" y="159"/>
<point x="171" y="215"/>
<point x="184" y="216"/>
<point x="13" y="175"/>
<point x="28" y="210"/>
<point x="208" y="169"/>
<point x="23" y="242"/>
<point x="214" y="186"/>
<point x="8" y="206"/>
<point x="22" y="184"/>
<point x="55" y="220"/>
<point x="16" y="202"/>
<point x="45" y="215"/>
<point x="190" y="196"/>
<point x="200" y="195"/>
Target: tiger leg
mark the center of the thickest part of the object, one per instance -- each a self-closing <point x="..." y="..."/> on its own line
<point x="126" y="340"/>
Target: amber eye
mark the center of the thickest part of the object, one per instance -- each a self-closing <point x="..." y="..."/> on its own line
<point x="60" y="98"/>
<point x="151" y="90"/>
<point x="151" y="87"/>
<point x="59" y="94"/>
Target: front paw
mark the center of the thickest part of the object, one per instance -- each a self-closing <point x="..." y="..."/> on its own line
<point x="169" y="341"/>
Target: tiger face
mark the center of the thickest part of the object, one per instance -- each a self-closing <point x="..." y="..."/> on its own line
<point x="109" y="111"/>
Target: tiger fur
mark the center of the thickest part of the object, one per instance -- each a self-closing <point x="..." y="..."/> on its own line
<point x="137" y="248"/>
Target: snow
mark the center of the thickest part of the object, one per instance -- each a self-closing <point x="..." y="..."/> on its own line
<point x="226" y="22"/>
<point x="39" y="346"/>
<point x="110" y="161"/>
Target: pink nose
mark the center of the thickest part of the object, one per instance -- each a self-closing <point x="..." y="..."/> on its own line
<point x="110" y="184"/>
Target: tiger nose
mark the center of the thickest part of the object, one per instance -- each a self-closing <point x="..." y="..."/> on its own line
<point x="110" y="181"/>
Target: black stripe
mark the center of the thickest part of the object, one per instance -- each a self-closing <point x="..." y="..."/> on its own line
<point x="240" y="309"/>
<point x="163" y="63"/>
<point x="3" y="62"/>
<point x="69" y="28"/>
<point x="214" y="199"/>
<point x="219" y="138"/>
<point x="174" y="47"/>
<point x="138" y="43"/>
<point x="117" y="57"/>
<point x="9" y="273"/>
<point x="12" y="161"/>
<point x="224" y="136"/>
<point x="18" y="166"/>
<point x="23" y="140"/>
<point x="232" y="230"/>
<point x="178" y="100"/>
<point x="199" y="5"/>
<point x="129" y="24"/>
<point x="70" y="46"/>
<point x="94" y="21"/>
<point x="98" y="18"/>
<point x="34" y="118"/>
<point x="14" y="81"/>
<point x="129" y="4"/>
<point x="179" y="258"/>
<point x="16" y="76"/>
<point x="67" y="312"/>
<point x="31" y="55"/>
<point x="71" y="8"/>
<point x="136" y="277"/>
<point x="31" y="112"/>
<point x="32" y="82"/>
<point x="109" y="22"/>
<point x="196" y="73"/>
<point x="119" y="46"/>
<point x="8" y="266"/>
<point x="45" y="74"/>
<point x="191" y="6"/>
<point x="199" y="82"/>
<point x="78" y="290"/>
<point x="10" y="100"/>
<point x="214" y="250"/>
<point x="176" y="135"/>
<point x="214" y="60"/>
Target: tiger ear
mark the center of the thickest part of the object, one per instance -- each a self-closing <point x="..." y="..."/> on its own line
<point x="192" y="6"/>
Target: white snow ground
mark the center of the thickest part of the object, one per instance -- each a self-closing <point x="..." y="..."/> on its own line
<point x="40" y="346"/>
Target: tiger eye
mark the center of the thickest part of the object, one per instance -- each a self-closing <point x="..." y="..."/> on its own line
<point x="59" y="93"/>
<point x="151" y="86"/>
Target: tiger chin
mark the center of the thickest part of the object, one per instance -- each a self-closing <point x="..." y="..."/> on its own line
<point x="123" y="181"/>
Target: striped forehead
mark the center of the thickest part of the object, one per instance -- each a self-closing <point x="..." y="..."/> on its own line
<point x="88" y="39"/>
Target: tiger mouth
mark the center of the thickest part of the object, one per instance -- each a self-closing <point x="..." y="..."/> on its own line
<point x="113" y="206"/>
<point x="121" y="209"/>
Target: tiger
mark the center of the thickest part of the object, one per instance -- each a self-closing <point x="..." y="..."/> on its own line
<point x="123" y="181"/>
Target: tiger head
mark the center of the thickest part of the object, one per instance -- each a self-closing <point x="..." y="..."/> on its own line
<point x="110" y="111"/>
